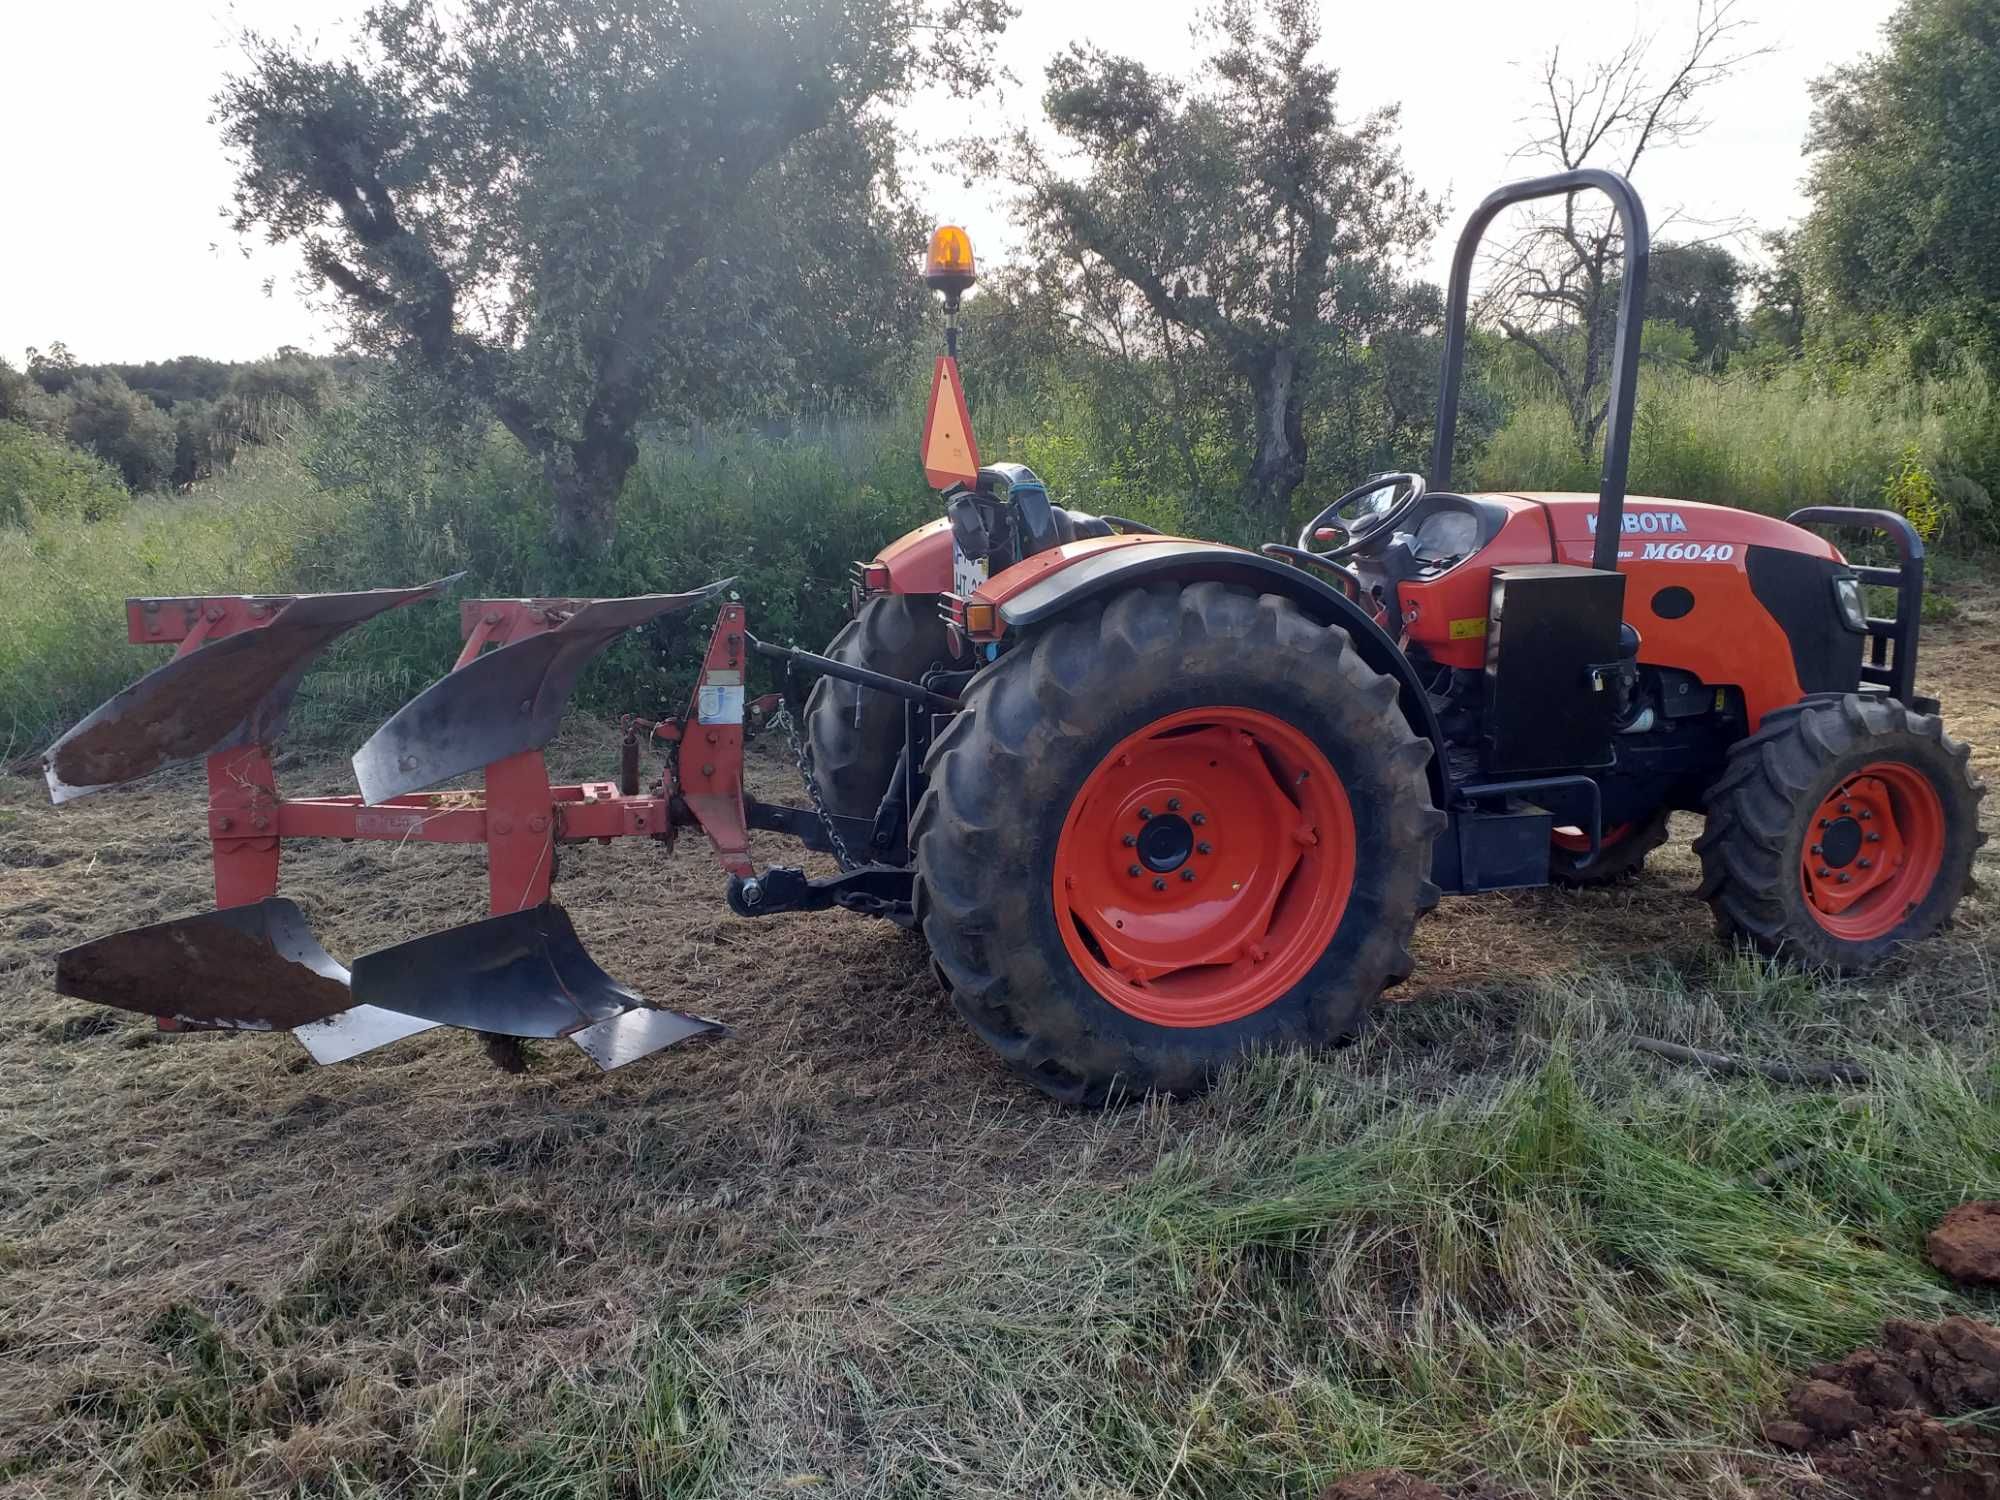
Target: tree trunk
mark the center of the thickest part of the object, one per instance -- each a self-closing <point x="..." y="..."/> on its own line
<point x="1280" y="462"/>
<point x="586" y="478"/>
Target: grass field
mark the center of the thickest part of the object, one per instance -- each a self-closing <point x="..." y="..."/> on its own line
<point x="843" y="1253"/>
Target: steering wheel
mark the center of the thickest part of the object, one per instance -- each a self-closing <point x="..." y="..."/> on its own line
<point x="1400" y="492"/>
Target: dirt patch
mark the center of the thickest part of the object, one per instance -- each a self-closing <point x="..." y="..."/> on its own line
<point x="1878" y="1421"/>
<point x="1395" y="1484"/>
<point x="1966" y="1243"/>
<point x="1382" y="1484"/>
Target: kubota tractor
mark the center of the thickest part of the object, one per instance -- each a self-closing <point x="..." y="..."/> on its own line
<point x="1152" y="801"/>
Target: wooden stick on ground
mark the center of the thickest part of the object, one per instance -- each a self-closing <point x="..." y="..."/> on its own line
<point x="1807" y="1074"/>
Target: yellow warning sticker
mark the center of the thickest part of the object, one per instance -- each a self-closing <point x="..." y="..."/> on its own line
<point x="1468" y="630"/>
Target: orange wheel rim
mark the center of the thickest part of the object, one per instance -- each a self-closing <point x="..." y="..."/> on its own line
<point x="1204" y="866"/>
<point x="1872" y="851"/>
<point x="1575" y="841"/>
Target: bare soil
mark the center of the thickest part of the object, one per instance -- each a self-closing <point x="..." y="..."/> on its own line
<point x="1966" y="1245"/>
<point x="1876" y="1421"/>
<point x="140" y="1174"/>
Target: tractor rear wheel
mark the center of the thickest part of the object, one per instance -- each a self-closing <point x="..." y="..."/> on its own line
<point x="1842" y="829"/>
<point x="1622" y="851"/>
<point x="855" y="733"/>
<point x="1173" y="827"/>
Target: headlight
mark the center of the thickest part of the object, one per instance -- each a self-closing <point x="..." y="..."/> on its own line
<point x="1847" y="593"/>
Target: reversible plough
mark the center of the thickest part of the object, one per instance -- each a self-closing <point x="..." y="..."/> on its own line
<point x="254" y="964"/>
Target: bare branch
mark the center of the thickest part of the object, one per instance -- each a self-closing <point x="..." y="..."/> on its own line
<point x="1552" y="289"/>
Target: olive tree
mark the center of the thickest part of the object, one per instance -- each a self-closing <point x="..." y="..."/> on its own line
<point x="1239" y="208"/>
<point x="564" y="208"/>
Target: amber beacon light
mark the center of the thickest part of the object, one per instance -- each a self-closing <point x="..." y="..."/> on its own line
<point x="948" y="267"/>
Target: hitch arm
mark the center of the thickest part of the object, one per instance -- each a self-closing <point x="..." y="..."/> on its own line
<point x="882" y="682"/>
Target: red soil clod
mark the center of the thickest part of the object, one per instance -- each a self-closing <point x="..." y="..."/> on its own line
<point x="1873" y="1420"/>
<point x="1966" y="1243"/>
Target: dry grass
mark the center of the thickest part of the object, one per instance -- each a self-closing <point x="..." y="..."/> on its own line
<point x="844" y="1254"/>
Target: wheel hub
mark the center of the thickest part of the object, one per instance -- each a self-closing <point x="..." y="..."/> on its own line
<point x="1166" y="843"/>
<point x="1840" y="843"/>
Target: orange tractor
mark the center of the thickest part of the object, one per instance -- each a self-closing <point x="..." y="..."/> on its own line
<point x="1152" y="801"/>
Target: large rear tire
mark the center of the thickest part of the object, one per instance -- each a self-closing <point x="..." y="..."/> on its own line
<point x="855" y="733"/>
<point x="1841" y="830"/>
<point x="1173" y="827"/>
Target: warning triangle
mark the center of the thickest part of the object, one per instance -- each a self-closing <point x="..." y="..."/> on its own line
<point x="951" y="456"/>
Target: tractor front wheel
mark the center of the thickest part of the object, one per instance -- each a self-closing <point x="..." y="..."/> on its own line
<point x="1171" y="828"/>
<point x="1842" y="829"/>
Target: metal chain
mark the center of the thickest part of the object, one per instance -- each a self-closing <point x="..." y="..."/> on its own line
<point x="802" y="753"/>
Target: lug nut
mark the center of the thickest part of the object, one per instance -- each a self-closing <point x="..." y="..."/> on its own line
<point x="1865" y="814"/>
<point x="1874" y="838"/>
<point x="1865" y="863"/>
<point x="1203" y="848"/>
<point x="1187" y="874"/>
<point x="1131" y="839"/>
<point x="1145" y="814"/>
<point x="1159" y="883"/>
<point x="1815" y="848"/>
<point x="1132" y="870"/>
<point x="1826" y="822"/>
<point x="1847" y="807"/>
<point x="1844" y="877"/>
<point x="1824" y="872"/>
<point x="1173" y="804"/>
<point x="1198" y="819"/>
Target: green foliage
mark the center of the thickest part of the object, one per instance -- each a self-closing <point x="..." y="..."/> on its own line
<point x="1666" y="343"/>
<point x="1695" y="287"/>
<point x="44" y="479"/>
<point x="584" y="214"/>
<point x="62" y="632"/>
<point x="1912" y="490"/>
<point x="1906" y="147"/>
<point x="169" y="382"/>
<point x="784" y="515"/>
<point x="1237" y="213"/>
<point x="1775" y="442"/>
<point x="123" y="428"/>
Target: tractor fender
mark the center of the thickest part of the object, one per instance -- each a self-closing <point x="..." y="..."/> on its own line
<point x="919" y="561"/>
<point x="1088" y="569"/>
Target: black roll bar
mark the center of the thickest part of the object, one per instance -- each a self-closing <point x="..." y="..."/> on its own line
<point x="1624" y="357"/>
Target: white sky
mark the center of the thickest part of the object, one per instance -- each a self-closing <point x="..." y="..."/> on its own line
<point x="113" y="179"/>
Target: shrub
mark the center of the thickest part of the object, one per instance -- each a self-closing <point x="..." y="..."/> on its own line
<point x="124" y="429"/>
<point x="42" y="478"/>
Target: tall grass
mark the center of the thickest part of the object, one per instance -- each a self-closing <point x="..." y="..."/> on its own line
<point x="1774" y="445"/>
<point x="63" y="584"/>
<point x="367" y="498"/>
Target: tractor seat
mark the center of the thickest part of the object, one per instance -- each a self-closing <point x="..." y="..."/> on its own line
<point x="1076" y="525"/>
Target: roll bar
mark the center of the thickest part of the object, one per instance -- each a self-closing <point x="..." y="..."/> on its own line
<point x="1624" y="357"/>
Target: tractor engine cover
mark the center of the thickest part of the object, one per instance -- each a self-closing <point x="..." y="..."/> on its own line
<point x="1552" y="652"/>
